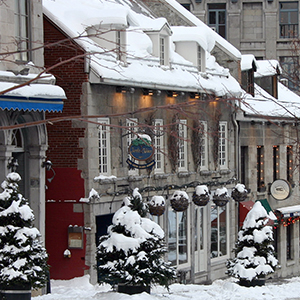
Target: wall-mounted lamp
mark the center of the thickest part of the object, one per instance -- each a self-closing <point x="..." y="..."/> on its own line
<point x="172" y="94"/>
<point x="124" y="90"/>
<point x="13" y="164"/>
<point x="47" y="164"/>
<point x="194" y="95"/>
<point x="67" y="253"/>
<point x="148" y="92"/>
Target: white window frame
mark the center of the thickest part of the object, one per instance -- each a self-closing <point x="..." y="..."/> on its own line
<point x="223" y="145"/>
<point x="225" y="256"/>
<point x="162" y="50"/>
<point x="104" y="139"/>
<point x="132" y="125"/>
<point x="159" y="146"/>
<point x="188" y="237"/>
<point x="204" y="149"/>
<point x="22" y="29"/>
<point x="182" y="145"/>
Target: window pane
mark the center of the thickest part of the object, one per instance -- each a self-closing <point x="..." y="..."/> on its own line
<point x="172" y="253"/>
<point x="223" y="239"/>
<point x="212" y="18"/>
<point x="182" y="235"/>
<point x="222" y="17"/>
<point x="214" y="231"/>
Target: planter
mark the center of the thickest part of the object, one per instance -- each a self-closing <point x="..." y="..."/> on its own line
<point x="179" y="201"/>
<point x="252" y="283"/>
<point x="238" y="196"/>
<point x="16" y="292"/>
<point x="133" y="289"/>
<point x="156" y="210"/>
<point x="180" y="204"/>
<point x="220" y="200"/>
<point x="200" y="200"/>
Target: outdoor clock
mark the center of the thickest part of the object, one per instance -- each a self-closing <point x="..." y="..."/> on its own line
<point x="280" y="189"/>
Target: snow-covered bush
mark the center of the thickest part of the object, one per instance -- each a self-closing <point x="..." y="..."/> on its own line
<point x="132" y="251"/>
<point x="254" y="252"/>
<point x="23" y="260"/>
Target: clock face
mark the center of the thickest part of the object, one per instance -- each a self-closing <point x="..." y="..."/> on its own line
<point x="280" y="189"/>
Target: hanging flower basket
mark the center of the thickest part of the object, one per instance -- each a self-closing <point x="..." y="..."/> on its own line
<point x="201" y="195"/>
<point x="221" y="197"/>
<point x="239" y="193"/>
<point x="180" y="201"/>
<point x="157" y="205"/>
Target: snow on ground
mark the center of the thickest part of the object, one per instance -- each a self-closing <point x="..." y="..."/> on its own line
<point x="81" y="289"/>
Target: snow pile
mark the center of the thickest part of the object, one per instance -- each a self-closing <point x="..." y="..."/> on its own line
<point x="201" y="190"/>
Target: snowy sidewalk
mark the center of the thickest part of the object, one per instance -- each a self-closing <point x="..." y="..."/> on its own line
<point x="81" y="289"/>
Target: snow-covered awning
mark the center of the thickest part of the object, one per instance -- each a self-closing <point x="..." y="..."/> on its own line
<point x="36" y="97"/>
<point x="289" y="211"/>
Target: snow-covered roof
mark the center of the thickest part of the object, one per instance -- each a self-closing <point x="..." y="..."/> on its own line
<point x="267" y="68"/>
<point x="247" y="62"/>
<point x="142" y="68"/>
<point x="263" y="104"/>
<point x="213" y="36"/>
<point x="290" y="211"/>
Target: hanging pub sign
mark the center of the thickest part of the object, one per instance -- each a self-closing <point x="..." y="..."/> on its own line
<point x="141" y="150"/>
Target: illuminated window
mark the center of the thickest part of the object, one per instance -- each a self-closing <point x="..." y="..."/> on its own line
<point x="275" y="162"/>
<point x="104" y="146"/>
<point x="260" y="169"/>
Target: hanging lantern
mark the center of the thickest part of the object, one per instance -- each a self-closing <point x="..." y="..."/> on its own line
<point x="221" y="197"/>
<point x="179" y="201"/>
<point x="239" y="193"/>
<point x="157" y="205"/>
<point x="201" y="195"/>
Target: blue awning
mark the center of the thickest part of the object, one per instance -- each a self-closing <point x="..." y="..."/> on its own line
<point x="34" y="97"/>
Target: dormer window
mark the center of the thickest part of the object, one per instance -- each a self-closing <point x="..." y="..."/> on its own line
<point x="193" y="52"/>
<point x="160" y="43"/>
<point x="111" y="39"/>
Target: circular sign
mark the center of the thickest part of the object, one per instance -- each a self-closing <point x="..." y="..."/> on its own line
<point x="280" y="189"/>
<point x="141" y="150"/>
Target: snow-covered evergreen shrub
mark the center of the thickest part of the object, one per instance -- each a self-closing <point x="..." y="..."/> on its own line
<point x="23" y="259"/>
<point x="254" y="252"/>
<point x="132" y="251"/>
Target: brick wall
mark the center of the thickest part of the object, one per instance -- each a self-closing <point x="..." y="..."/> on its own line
<point x="63" y="139"/>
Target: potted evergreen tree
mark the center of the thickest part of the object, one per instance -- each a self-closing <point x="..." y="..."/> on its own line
<point x="23" y="260"/>
<point x="254" y="252"/>
<point x="131" y="254"/>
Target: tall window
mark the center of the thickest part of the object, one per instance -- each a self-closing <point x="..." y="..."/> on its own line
<point x="219" y="232"/>
<point x="217" y="18"/>
<point x="289" y="242"/>
<point x="288" y="19"/>
<point x="204" y="146"/>
<point x="260" y="169"/>
<point x="289" y="164"/>
<point x="244" y="164"/>
<point x="22" y="33"/>
<point x="290" y="67"/>
<point x="223" y="145"/>
<point x="178" y="237"/>
<point x="118" y="44"/>
<point x="275" y="162"/>
<point x="104" y="146"/>
<point x="199" y="58"/>
<point x="158" y="145"/>
<point x="182" y="143"/>
<point x="132" y="125"/>
<point x="162" y="51"/>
